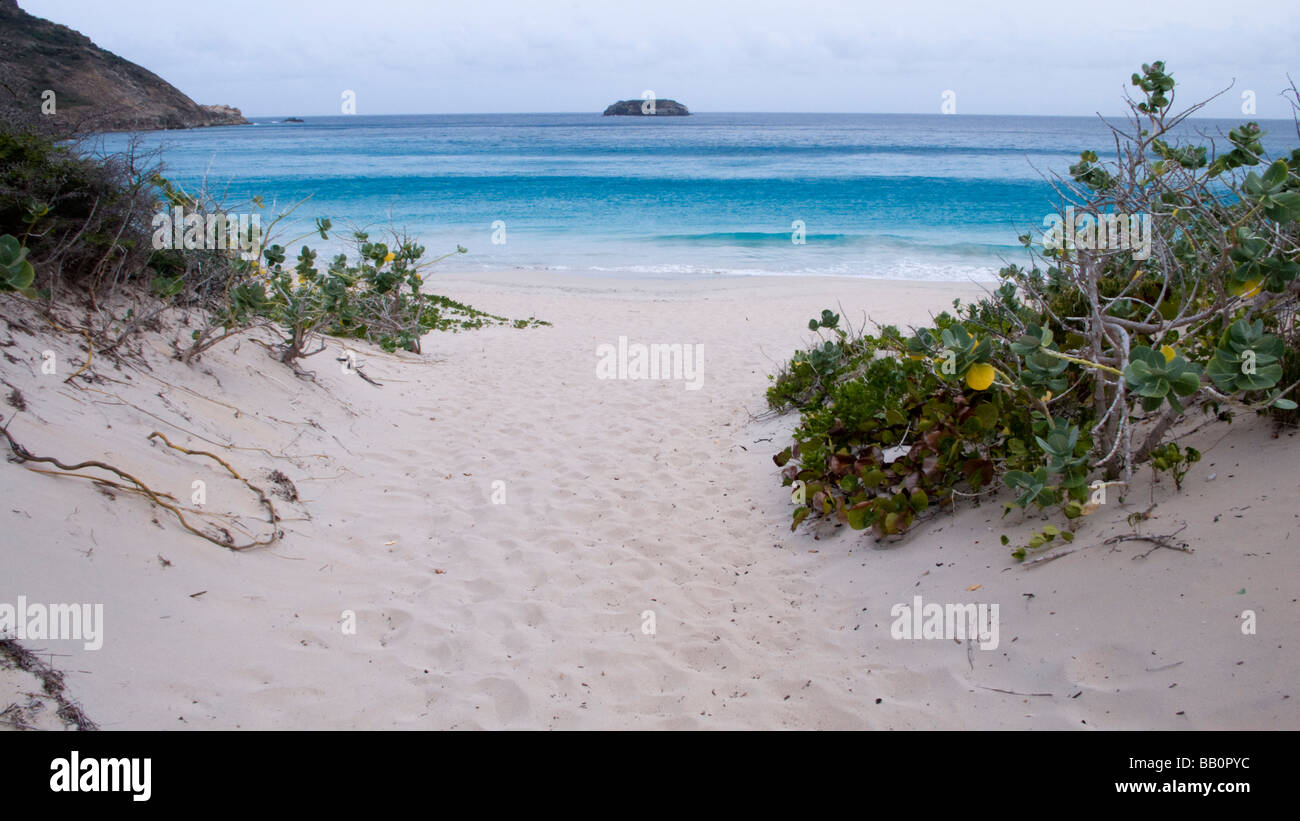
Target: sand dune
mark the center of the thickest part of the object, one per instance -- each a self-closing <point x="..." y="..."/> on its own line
<point x="528" y="604"/>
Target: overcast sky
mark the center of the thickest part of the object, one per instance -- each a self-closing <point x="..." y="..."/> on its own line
<point x="285" y="57"/>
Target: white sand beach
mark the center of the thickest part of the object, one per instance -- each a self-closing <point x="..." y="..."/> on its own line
<point x="624" y="501"/>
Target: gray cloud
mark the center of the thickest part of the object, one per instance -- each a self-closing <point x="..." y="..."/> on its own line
<point x="402" y="56"/>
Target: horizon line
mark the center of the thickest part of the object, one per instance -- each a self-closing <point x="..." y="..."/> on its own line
<point x="1245" y="118"/>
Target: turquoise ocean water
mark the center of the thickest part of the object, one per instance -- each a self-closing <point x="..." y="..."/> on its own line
<point x="927" y="197"/>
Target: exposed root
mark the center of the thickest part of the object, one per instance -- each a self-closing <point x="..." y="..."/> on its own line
<point x="227" y="541"/>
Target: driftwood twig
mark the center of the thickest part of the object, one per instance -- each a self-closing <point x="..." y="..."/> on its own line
<point x="1011" y="692"/>
<point x="1158" y="541"/>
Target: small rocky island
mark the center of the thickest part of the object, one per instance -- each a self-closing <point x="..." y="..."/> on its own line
<point x="663" y="108"/>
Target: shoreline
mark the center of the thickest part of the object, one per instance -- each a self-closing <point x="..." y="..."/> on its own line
<point x="570" y="281"/>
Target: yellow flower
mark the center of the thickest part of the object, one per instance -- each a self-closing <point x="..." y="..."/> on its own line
<point x="390" y="257"/>
<point x="1169" y="353"/>
<point x="980" y="376"/>
<point x="1247" y="290"/>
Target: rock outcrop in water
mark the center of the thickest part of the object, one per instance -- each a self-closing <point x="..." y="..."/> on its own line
<point x="662" y="108"/>
<point x="93" y="89"/>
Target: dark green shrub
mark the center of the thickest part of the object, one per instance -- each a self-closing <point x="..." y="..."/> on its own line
<point x="1076" y="371"/>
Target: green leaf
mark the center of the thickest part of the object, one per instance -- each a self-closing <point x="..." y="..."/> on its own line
<point x="858" y="515"/>
<point x="1017" y="479"/>
<point x="1276" y="174"/>
<point x="799" y="516"/>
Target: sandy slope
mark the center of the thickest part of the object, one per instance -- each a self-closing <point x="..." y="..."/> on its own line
<point x="620" y="497"/>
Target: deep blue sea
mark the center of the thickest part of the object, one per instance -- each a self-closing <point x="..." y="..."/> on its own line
<point x="900" y="196"/>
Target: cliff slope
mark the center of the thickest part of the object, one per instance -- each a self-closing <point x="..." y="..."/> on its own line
<point x="94" y="89"/>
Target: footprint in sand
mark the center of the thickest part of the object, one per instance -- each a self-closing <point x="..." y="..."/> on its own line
<point x="508" y="698"/>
